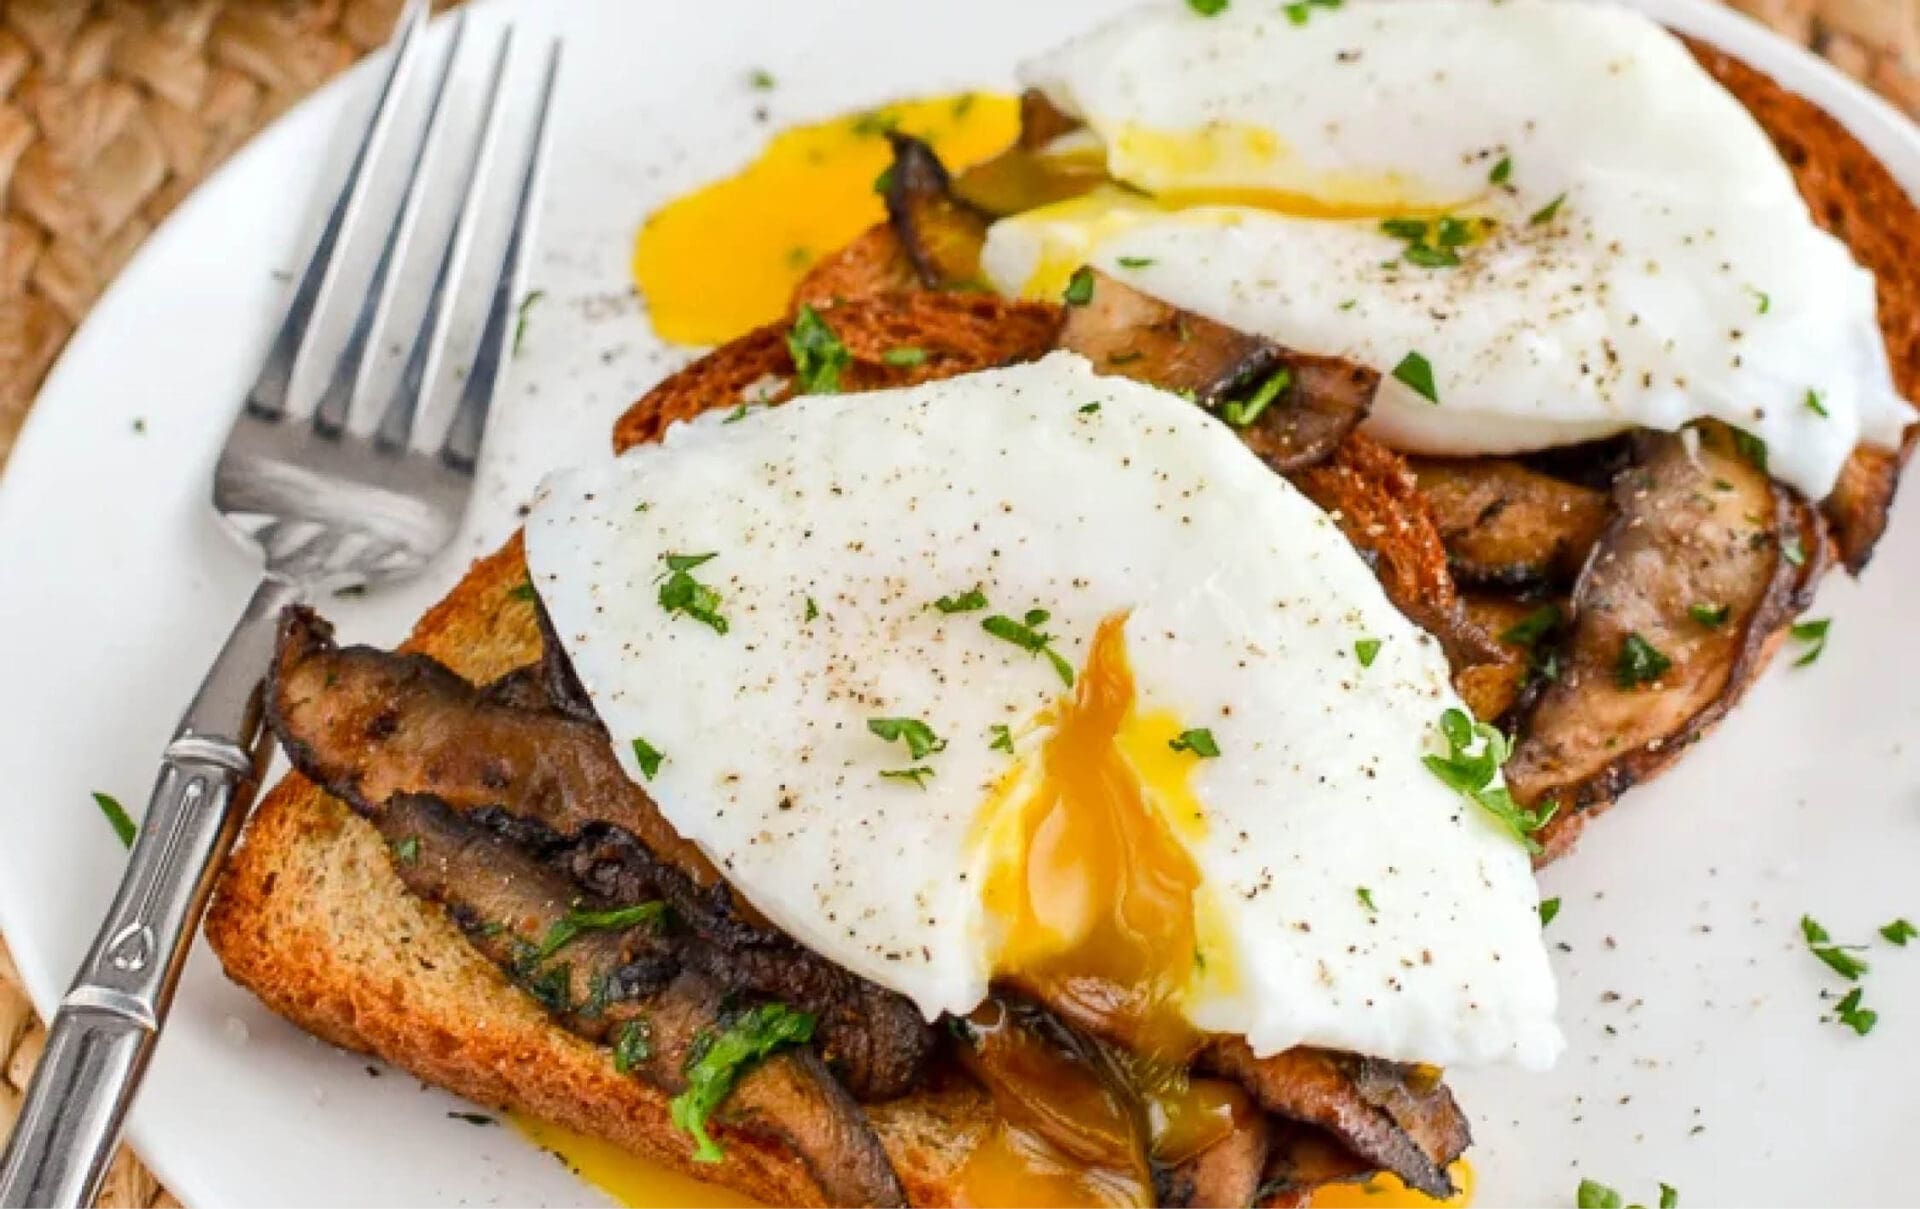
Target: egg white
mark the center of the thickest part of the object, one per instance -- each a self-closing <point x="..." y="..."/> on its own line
<point x="1680" y="276"/>
<point x="1047" y="487"/>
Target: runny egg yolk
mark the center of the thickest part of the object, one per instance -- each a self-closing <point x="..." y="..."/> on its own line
<point x="1098" y="898"/>
<point x="1105" y="922"/>
<point x="723" y="259"/>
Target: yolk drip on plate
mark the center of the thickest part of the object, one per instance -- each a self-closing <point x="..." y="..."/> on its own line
<point x="724" y="258"/>
<point x="1105" y="921"/>
<point x="1383" y="1191"/>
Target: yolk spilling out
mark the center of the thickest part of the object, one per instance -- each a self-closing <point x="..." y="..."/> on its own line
<point x="724" y="258"/>
<point x="1097" y="893"/>
<point x="1105" y="923"/>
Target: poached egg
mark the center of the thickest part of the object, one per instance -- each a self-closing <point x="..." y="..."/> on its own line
<point x="1039" y="676"/>
<point x="1542" y="220"/>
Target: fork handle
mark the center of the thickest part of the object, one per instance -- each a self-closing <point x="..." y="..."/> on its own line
<point x="103" y="1034"/>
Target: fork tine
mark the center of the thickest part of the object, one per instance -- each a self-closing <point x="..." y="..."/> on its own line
<point x="268" y="398"/>
<point x="396" y="425"/>
<point x="336" y="402"/>
<point x="462" y="447"/>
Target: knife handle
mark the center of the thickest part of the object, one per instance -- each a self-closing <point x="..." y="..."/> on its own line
<point x="101" y="1037"/>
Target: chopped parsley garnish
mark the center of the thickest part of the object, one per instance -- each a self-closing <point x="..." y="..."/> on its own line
<point x="760" y="79"/>
<point x="117" y="817"/>
<point x="682" y="593"/>
<point x="1595" y="1195"/>
<point x="1475" y="752"/>
<point x="576" y="921"/>
<point x="1711" y="616"/>
<point x="1365" y="650"/>
<point x="963" y="602"/>
<point x="1816" y="403"/>
<point x="520" y="317"/>
<point x="813" y="610"/>
<point x="1750" y="447"/>
<point x="1529" y="630"/>
<point x="1431" y="258"/>
<point x="632" y="1046"/>
<point x="1549" y="908"/>
<point x="1349" y="304"/>
<point x="1002" y="738"/>
<point x="1899" y="932"/>
<point x="1502" y="171"/>
<point x="522" y="591"/>
<point x="1208" y="8"/>
<point x="1079" y="289"/>
<point x="407" y="851"/>
<point x="1793" y="551"/>
<point x="1089" y="408"/>
<point x="1412" y="229"/>
<point x="1640" y="662"/>
<point x="1198" y="741"/>
<point x="648" y="757"/>
<point x="917" y="774"/>
<point x="1548" y="212"/>
<point x="876" y="122"/>
<point x="919" y="737"/>
<point x="1026" y="635"/>
<point x="1366" y="900"/>
<point x="737" y="414"/>
<point x="1452" y="233"/>
<point x="1838" y="958"/>
<point x="715" y="1066"/>
<point x="1762" y="301"/>
<point x="883" y="183"/>
<point x="1669" y="1197"/>
<point x="1241" y="414"/>
<point x="1416" y="373"/>
<point x="1814" y="635"/>
<point x="1299" y="10"/>
<point x="905" y="355"/>
<point x="1849" y="1013"/>
<point x="1135" y="262"/>
<point x="818" y="354"/>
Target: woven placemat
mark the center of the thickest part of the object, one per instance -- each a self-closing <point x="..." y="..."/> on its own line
<point x="112" y="111"/>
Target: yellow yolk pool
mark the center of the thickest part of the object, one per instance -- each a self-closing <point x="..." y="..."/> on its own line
<point x="724" y="258"/>
<point x="1385" y="1192"/>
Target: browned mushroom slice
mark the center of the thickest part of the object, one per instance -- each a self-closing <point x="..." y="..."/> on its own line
<point x="1858" y="506"/>
<point x="1396" y="1117"/>
<point x="1302" y="1159"/>
<point x="368" y="725"/>
<point x="1041" y="121"/>
<point x="1229" y="1172"/>
<point x="1704" y="561"/>
<point x="941" y="233"/>
<point x="1507" y="525"/>
<point x="1369" y="492"/>
<point x="1293" y="409"/>
<point x="608" y="977"/>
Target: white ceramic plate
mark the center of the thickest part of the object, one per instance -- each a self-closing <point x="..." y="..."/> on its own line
<point x="1698" y="1056"/>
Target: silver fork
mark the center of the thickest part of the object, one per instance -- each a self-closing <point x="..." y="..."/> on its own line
<point x="330" y="509"/>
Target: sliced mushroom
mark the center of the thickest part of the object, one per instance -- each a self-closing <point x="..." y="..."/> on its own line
<point x="1396" y="1117"/>
<point x="1506" y="525"/>
<point x="1228" y="1173"/>
<point x="941" y="233"/>
<point x="1037" y="170"/>
<point x="1291" y="408"/>
<point x="602" y="983"/>
<point x="1704" y="562"/>
<point x="367" y="725"/>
